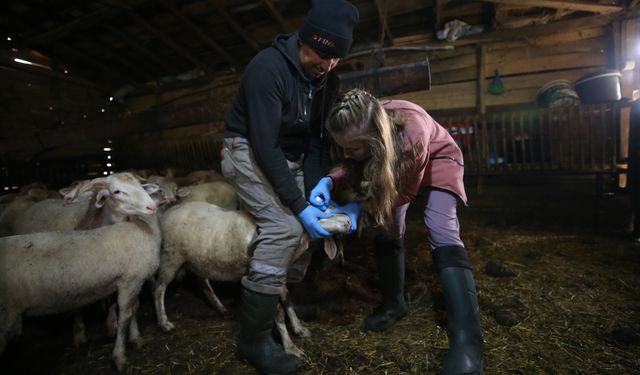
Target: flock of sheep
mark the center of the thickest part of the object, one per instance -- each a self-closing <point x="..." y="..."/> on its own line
<point x="61" y="251"/>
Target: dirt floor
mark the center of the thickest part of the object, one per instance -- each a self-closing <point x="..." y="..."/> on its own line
<point x="555" y="298"/>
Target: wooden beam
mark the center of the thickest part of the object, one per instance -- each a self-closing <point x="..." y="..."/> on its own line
<point x="80" y="55"/>
<point x="74" y="79"/>
<point x="92" y="19"/>
<point x="77" y="24"/>
<point x="169" y="41"/>
<point x="235" y="26"/>
<point x="537" y="30"/>
<point x="284" y="25"/>
<point x="139" y="47"/>
<point x="111" y="127"/>
<point x="382" y="10"/>
<point x="201" y="35"/>
<point x="120" y="4"/>
<point x="565" y="4"/>
<point x="122" y="63"/>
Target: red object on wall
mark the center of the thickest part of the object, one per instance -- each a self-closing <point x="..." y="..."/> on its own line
<point x="461" y="133"/>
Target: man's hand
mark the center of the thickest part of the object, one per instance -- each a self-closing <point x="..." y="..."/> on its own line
<point x="309" y="218"/>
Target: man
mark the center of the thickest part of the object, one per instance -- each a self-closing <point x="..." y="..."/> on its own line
<point x="267" y="138"/>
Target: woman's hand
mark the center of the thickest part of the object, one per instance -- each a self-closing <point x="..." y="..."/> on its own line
<point x="353" y="210"/>
<point x="309" y="217"/>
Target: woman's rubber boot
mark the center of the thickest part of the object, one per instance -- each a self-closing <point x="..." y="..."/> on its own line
<point x="255" y="343"/>
<point x="390" y="260"/>
<point x="466" y="346"/>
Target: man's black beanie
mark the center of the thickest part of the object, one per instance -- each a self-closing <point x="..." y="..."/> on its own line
<point x="328" y="27"/>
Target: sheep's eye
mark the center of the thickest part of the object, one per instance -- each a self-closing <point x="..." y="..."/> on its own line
<point x="116" y="192"/>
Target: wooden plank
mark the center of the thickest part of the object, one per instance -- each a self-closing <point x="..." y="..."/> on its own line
<point x="235" y="26"/>
<point x="519" y="90"/>
<point x="284" y="25"/>
<point x="137" y="46"/>
<point x="509" y="66"/>
<point x="168" y="40"/>
<point x="201" y="35"/>
<point x="538" y="30"/>
<point x="584" y="6"/>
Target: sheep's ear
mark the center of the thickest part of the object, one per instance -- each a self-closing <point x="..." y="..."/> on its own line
<point x="150" y="188"/>
<point x="183" y="192"/>
<point x="101" y="197"/>
<point x="330" y="247"/>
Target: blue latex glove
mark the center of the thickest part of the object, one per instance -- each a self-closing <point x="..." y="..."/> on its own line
<point x="321" y="194"/>
<point x="309" y="218"/>
<point x="353" y="209"/>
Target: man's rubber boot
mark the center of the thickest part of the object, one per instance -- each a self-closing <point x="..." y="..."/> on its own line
<point x="255" y="343"/>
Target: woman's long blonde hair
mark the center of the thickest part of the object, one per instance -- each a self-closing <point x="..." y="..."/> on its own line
<point x="361" y="116"/>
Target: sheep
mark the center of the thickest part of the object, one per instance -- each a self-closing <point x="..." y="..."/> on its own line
<point x="220" y="193"/>
<point x="52" y="272"/>
<point x="17" y="206"/>
<point x="50" y="215"/>
<point x="203" y="176"/>
<point x="214" y="243"/>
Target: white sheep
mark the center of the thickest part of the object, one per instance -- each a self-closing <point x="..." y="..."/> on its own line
<point x="214" y="244"/>
<point x="50" y="215"/>
<point x="220" y="193"/>
<point x="17" y="206"/>
<point x="52" y="272"/>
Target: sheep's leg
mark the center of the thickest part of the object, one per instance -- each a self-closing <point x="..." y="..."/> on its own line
<point x="9" y="321"/>
<point x="298" y="329"/>
<point x="166" y="273"/>
<point x="112" y="320"/>
<point x="79" y="331"/>
<point x="205" y="285"/>
<point x="287" y="344"/>
<point x="134" y="332"/>
<point x="127" y="298"/>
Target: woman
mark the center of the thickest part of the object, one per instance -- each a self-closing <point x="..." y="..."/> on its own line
<point x="388" y="150"/>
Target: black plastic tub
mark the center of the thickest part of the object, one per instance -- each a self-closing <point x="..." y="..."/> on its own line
<point x="599" y="87"/>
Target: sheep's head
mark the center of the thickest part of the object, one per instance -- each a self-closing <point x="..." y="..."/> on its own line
<point x="123" y="193"/>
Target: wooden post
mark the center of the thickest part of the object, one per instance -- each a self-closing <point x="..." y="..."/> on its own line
<point x="634" y="167"/>
<point x="481" y="106"/>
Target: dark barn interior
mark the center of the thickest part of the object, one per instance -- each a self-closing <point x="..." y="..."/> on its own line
<point x="541" y="96"/>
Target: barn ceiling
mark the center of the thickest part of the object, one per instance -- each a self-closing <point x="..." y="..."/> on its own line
<point x="118" y="43"/>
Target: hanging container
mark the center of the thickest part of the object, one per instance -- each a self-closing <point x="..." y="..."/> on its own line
<point x="558" y="93"/>
<point x="599" y="87"/>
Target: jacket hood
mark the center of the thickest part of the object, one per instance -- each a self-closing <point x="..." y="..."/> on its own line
<point x="287" y="45"/>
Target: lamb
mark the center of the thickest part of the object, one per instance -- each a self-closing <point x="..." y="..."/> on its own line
<point x="214" y="243"/>
<point x="52" y="272"/>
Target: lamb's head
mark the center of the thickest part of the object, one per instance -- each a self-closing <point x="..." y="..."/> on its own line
<point x="337" y="224"/>
<point x="124" y="194"/>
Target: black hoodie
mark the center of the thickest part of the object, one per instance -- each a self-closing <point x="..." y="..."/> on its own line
<point x="272" y="110"/>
